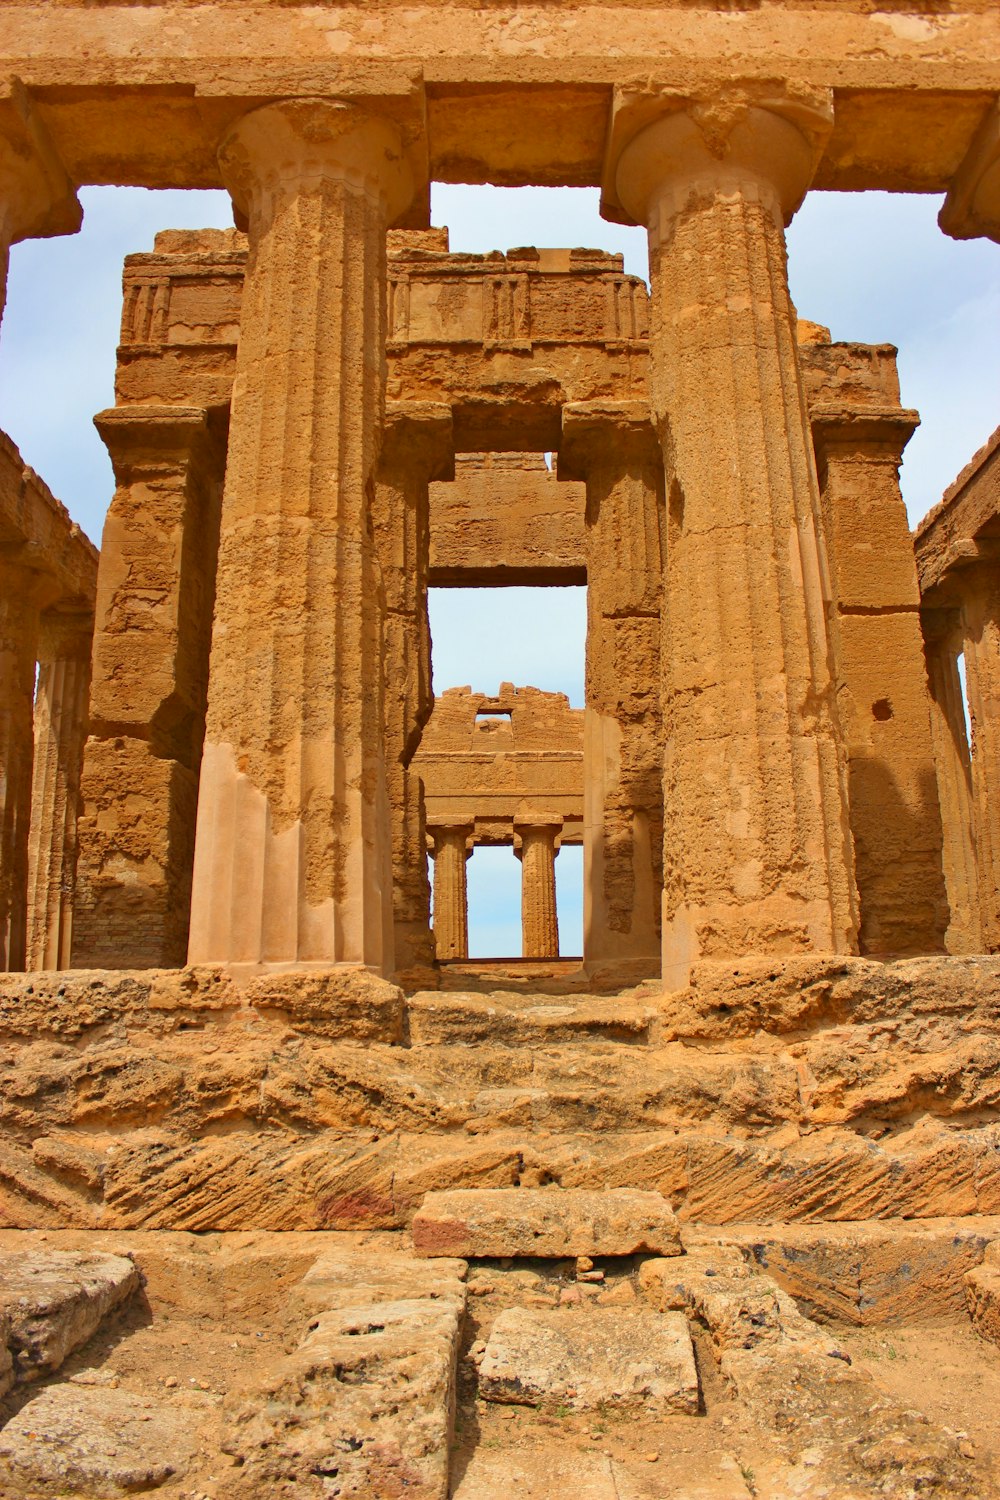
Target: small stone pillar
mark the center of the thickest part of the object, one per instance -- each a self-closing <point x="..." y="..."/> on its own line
<point x="20" y="601"/>
<point x="757" y="849"/>
<point x="37" y="199"/>
<point x="60" y="720"/>
<point x="612" y="446"/>
<point x="153" y="631"/>
<point x="417" y="447"/>
<point x="883" y="695"/>
<point x="293" y="859"/>
<point x="536" y="843"/>
<point x="451" y="846"/>
<point x="981" y="620"/>
<point x="943" y="645"/>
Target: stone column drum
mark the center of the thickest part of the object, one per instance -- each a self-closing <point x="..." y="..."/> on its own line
<point x="293" y="849"/>
<point x="943" y="645"/>
<point x="19" y="610"/>
<point x="417" y="447"/>
<point x="612" y="446"/>
<point x="60" y="719"/>
<point x="536" y="846"/>
<point x="981" y="619"/>
<point x="451" y="847"/>
<point x="757" y="855"/>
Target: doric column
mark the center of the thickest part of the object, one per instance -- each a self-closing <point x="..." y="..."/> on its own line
<point x="60" y="720"/>
<point x="451" y="846"/>
<point x="612" y="446"/>
<point x="20" y="602"/>
<point x="293" y="851"/>
<point x="536" y="843"/>
<point x="943" y="645"/>
<point x="882" y="690"/>
<point x="417" y="446"/>
<point x="981" y="619"/>
<point x="757" y="855"/>
<point x="36" y="197"/>
<point x="155" y="592"/>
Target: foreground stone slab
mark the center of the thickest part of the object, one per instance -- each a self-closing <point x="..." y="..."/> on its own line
<point x="82" y="1441"/>
<point x="584" y="1358"/>
<point x="364" y="1407"/>
<point x="888" y="1271"/>
<point x="345" y="1279"/>
<point x="545" y="1222"/>
<point x="54" y="1300"/>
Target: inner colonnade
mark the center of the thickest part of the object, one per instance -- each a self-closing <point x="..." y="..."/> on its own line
<point x="758" y="767"/>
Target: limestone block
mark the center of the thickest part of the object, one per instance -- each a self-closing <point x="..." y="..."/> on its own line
<point x="982" y="1290"/>
<point x="544" y="1222"/>
<point x="366" y="1400"/>
<point x="344" y="1279"/>
<point x="55" y="1300"/>
<point x="88" y="1441"/>
<point x="586" y="1358"/>
<point x="344" y="1002"/>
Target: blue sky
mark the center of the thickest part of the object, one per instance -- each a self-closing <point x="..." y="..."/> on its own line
<point x="873" y="267"/>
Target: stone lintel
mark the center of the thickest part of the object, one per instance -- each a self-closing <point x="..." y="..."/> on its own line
<point x="38" y="535"/>
<point x="968" y="511"/>
<point x="972" y="207"/>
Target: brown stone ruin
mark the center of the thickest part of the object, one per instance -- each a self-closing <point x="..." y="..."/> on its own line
<point x="297" y="1198"/>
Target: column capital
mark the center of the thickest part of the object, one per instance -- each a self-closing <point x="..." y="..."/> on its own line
<point x="530" y="825"/>
<point x="972" y="206"/>
<point x="419" y="435"/>
<point x="439" y="834"/>
<point x="37" y="198"/>
<point x="297" y="146"/>
<point x="875" y="432"/>
<point x="594" y="431"/>
<point x="139" y="436"/>
<point x="668" y="146"/>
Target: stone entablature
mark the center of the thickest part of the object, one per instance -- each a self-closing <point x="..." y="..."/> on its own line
<point x="48" y="577"/>
<point x="488" y="762"/>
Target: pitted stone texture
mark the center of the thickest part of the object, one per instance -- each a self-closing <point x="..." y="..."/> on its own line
<point x="544" y="1222"/>
<point x="85" y="1441"/>
<point x="982" y="1290"/>
<point x="363" y="1408"/>
<point x="55" y="1300"/>
<point x="584" y="1359"/>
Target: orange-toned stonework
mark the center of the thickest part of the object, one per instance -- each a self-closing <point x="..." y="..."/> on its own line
<point x="228" y="780"/>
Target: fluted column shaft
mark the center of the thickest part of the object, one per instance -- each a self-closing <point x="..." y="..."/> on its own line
<point x="417" y="447"/>
<point x="981" y="618"/>
<point x="613" y="448"/>
<point x="536" y="848"/>
<point x="60" y="721"/>
<point x="943" y="645"/>
<point x="451" y="849"/>
<point x="19" y="611"/>
<point x="293" y="852"/>
<point x="757" y="854"/>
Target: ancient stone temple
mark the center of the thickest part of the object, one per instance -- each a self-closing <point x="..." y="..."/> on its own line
<point x="296" y="1196"/>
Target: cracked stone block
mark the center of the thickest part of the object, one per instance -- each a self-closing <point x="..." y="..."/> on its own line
<point x="342" y="1278"/>
<point x="85" y="1441"/>
<point x="363" y="1408"/>
<point x="55" y="1300"/>
<point x="581" y="1359"/>
<point x="545" y="1222"/>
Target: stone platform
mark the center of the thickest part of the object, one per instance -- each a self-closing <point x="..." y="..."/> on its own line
<point x="813" y="1091"/>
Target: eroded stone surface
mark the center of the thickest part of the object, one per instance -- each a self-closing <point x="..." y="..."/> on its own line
<point x="982" y="1290"/>
<point x="79" y="1440"/>
<point x="54" y="1300"/>
<point x="544" y="1222"/>
<point x="623" y="1357"/>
